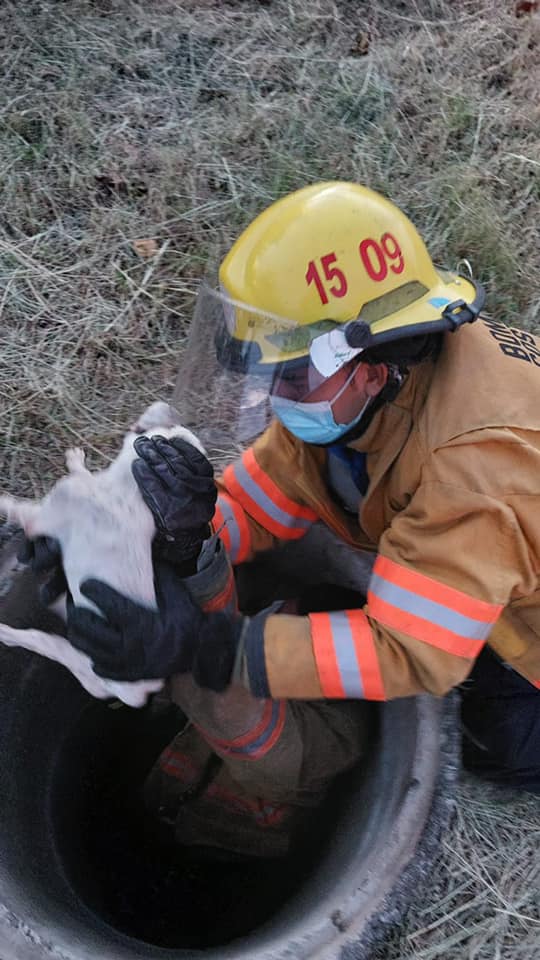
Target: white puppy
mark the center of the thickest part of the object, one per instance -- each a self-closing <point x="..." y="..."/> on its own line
<point x="105" y="531"/>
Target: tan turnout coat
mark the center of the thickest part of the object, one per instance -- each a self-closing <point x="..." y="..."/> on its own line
<point x="452" y="509"/>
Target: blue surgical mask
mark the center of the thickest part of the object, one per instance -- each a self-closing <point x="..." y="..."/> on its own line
<point x="312" y="422"/>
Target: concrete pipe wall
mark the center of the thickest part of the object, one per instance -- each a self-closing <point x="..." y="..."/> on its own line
<point x="83" y="874"/>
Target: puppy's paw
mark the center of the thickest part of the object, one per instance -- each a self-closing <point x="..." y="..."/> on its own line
<point x="75" y="460"/>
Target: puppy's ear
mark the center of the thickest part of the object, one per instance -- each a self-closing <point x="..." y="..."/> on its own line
<point x="158" y="414"/>
<point x="25" y="513"/>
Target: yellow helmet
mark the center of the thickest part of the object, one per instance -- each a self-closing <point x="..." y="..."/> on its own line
<point x="334" y="269"/>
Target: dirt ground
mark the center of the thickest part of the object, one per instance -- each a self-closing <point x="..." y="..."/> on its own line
<point x="174" y="124"/>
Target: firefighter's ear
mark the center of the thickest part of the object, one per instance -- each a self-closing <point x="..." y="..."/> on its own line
<point x="374" y="378"/>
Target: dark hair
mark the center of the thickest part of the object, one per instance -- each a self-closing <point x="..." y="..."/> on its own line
<point x="405" y="353"/>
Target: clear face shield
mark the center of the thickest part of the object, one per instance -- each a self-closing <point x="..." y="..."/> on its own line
<point x="242" y="366"/>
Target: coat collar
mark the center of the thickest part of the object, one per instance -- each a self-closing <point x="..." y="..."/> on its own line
<point x="386" y="436"/>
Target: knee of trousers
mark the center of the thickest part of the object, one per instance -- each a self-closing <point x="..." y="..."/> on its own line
<point x="298" y="748"/>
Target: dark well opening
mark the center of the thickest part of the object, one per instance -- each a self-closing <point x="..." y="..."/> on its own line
<point x="125" y="866"/>
<point x="73" y="772"/>
<point x="84" y="873"/>
<point x="78" y="873"/>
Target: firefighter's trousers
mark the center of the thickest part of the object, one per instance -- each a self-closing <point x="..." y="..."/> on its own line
<point x="501" y="724"/>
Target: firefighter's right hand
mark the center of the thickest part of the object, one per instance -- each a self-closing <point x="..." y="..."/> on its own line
<point x="44" y="556"/>
<point x="129" y="641"/>
<point x="177" y="484"/>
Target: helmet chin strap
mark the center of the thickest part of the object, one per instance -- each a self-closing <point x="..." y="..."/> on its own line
<point x="389" y="392"/>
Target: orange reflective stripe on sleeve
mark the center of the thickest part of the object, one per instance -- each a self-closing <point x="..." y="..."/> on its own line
<point x="231" y="523"/>
<point x="264" y="501"/>
<point x="256" y="743"/>
<point x="345" y="655"/>
<point x="429" y="610"/>
<point x="225" y="600"/>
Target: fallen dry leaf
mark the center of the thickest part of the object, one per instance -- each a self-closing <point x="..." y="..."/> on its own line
<point x="526" y="6"/>
<point x="145" y="248"/>
<point x="360" y="46"/>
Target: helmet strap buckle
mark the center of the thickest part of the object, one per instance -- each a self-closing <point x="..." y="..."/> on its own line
<point x="457" y="313"/>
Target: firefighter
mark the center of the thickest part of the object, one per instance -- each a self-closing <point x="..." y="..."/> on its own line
<point x="409" y="426"/>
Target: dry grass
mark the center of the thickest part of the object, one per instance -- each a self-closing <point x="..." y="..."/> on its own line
<point x="178" y="122"/>
<point x="483" y="900"/>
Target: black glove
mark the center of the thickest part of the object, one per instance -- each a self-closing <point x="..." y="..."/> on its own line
<point x="44" y="555"/>
<point x="135" y="643"/>
<point x="177" y="484"/>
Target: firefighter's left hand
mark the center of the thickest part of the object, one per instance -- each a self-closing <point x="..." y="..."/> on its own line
<point x="177" y="484"/>
<point x="131" y="642"/>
